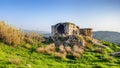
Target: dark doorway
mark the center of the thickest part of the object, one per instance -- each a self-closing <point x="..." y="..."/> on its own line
<point x="60" y="29"/>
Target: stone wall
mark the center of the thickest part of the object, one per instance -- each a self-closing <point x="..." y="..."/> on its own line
<point x="65" y="29"/>
<point x="69" y="34"/>
<point x="73" y="29"/>
<point x="86" y="32"/>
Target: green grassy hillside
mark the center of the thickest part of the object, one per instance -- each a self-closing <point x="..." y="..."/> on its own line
<point x="31" y="50"/>
<point x="93" y="57"/>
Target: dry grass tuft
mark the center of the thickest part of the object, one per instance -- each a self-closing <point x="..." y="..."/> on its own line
<point x="62" y="52"/>
<point x="68" y="49"/>
<point x="77" y="55"/>
<point x="99" y="50"/>
<point x="62" y="49"/>
<point x="60" y="55"/>
<point x="50" y="49"/>
<point x="28" y="46"/>
<point x="40" y="50"/>
<point x="77" y="49"/>
<point x="14" y="61"/>
<point x="89" y="46"/>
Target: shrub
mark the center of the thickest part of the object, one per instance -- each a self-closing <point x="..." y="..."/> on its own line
<point x="10" y="35"/>
<point x="34" y="38"/>
<point x="50" y="49"/>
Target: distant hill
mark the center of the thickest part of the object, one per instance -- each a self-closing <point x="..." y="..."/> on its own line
<point x="109" y="36"/>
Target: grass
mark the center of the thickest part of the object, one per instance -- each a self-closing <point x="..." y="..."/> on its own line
<point x="21" y="57"/>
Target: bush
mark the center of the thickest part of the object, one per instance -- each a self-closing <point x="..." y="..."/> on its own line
<point x="50" y="49"/>
<point x="10" y="35"/>
<point x="34" y="38"/>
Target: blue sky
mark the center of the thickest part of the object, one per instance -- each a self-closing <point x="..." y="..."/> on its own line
<point x="101" y="15"/>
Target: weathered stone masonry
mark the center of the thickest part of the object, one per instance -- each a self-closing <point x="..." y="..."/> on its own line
<point x="69" y="34"/>
<point x="70" y="29"/>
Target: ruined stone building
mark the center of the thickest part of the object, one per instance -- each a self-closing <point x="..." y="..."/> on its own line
<point x="70" y="29"/>
<point x="69" y="34"/>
